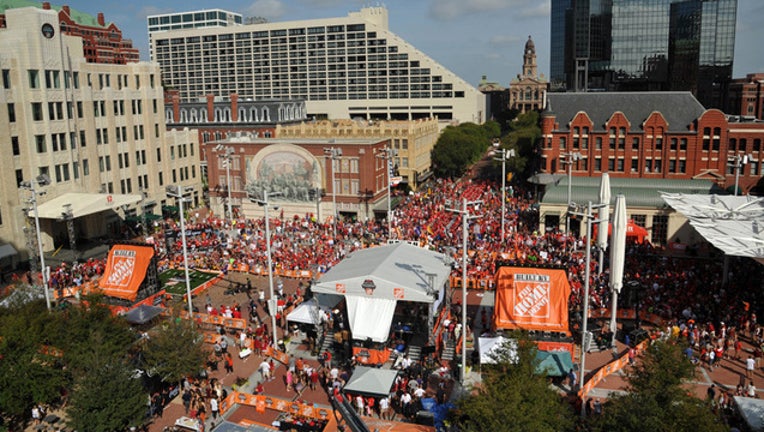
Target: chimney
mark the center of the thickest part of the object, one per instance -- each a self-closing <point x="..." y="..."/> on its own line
<point x="210" y="108"/>
<point x="46" y="5"/>
<point x="234" y="107"/>
<point x="101" y="20"/>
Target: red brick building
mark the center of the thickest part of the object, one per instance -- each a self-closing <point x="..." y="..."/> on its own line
<point x="302" y="171"/>
<point x="659" y="135"/>
<point x="746" y="96"/>
<point x="101" y="43"/>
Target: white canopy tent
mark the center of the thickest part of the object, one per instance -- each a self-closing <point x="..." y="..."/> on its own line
<point x="370" y="381"/>
<point x="82" y="204"/>
<point x="373" y="281"/>
<point x="752" y="411"/>
<point x="734" y="224"/>
<point x="309" y="312"/>
<point x="489" y="348"/>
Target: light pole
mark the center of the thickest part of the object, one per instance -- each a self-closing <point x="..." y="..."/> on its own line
<point x="226" y="157"/>
<point x="388" y="154"/>
<point x="504" y="154"/>
<point x="272" y="302"/>
<point x="32" y="185"/>
<point x="737" y="162"/>
<point x="334" y="154"/>
<point x="465" y="218"/>
<point x="589" y="216"/>
<point x="180" y="192"/>
<point x="570" y="159"/>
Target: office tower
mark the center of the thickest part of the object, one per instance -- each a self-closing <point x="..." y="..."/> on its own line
<point x="345" y="67"/>
<point x="187" y="20"/>
<point x="644" y="45"/>
<point x="96" y="129"/>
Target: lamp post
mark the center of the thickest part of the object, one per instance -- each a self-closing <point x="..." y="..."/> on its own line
<point x="737" y="162"/>
<point x="504" y="154"/>
<point x="570" y="159"/>
<point x="589" y="216"/>
<point x="334" y="153"/>
<point x="272" y="303"/>
<point x="465" y="218"/>
<point x="180" y="192"/>
<point x="388" y="154"/>
<point x="226" y="157"/>
<point x="32" y="185"/>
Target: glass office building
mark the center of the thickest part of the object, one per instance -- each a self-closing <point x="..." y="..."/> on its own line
<point x="644" y="45"/>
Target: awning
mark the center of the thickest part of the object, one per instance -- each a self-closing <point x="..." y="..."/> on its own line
<point x="368" y="381"/>
<point x="7" y="250"/>
<point x="142" y="314"/>
<point x="82" y="204"/>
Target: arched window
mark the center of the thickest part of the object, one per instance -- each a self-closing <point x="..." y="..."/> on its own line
<point x="266" y="115"/>
<point x="253" y="115"/>
<point x="243" y="115"/>
<point x="183" y="118"/>
<point x="528" y="93"/>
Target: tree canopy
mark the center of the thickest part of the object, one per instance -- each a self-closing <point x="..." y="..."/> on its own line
<point x="513" y="396"/>
<point x="174" y="351"/>
<point x="655" y="399"/>
<point x="460" y="146"/>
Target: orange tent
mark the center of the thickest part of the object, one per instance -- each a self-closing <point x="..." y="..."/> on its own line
<point x="532" y="299"/>
<point x="125" y="270"/>
<point x="632" y="230"/>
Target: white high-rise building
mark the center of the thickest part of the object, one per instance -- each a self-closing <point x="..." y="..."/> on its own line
<point x="187" y="20"/>
<point x="346" y="67"/>
<point x="96" y="130"/>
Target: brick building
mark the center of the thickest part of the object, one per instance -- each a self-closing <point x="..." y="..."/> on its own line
<point x="302" y="171"/>
<point x="746" y="96"/>
<point x="657" y="135"/>
<point x="101" y="43"/>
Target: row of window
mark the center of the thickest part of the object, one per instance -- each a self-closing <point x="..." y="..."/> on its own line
<point x="680" y="144"/>
<point x="53" y="79"/>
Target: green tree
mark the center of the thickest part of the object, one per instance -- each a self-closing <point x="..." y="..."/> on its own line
<point x="108" y="399"/>
<point x="175" y="351"/>
<point x="513" y="396"/>
<point x="458" y="147"/>
<point x="656" y="400"/>
<point x="28" y="376"/>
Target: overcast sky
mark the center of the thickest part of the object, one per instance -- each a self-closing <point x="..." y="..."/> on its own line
<point x="470" y="37"/>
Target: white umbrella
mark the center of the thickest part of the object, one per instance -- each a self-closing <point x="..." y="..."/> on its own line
<point x="604" y="215"/>
<point x="617" y="255"/>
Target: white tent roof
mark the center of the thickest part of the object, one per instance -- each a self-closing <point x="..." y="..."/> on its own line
<point x="83" y="204"/>
<point x="369" y="381"/>
<point x="308" y="312"/>
<point x="734" y="224"/>
<point x="752" y="411"/>
<point x="488" y="347"/>
<point x="399" y="271"/>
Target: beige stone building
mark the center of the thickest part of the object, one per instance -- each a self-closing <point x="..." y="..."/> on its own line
<point x="96" y="130"/>
<point x="412" y="140"/>
<point x="527" y="91"/>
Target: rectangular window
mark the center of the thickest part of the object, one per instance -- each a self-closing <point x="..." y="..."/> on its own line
<point x="161" y="179"/>
<point x="563" y="144"/>
<point x="6" y="78"/>
<point x="611" y="164"/>
<point x="15" y="146"/>
<point x="40" y="143"/>
<point x="659" y="143"/>
<point x="37" y="111"/>
<point x="11" y="113"/>
<point x="159" y="155"/>
<point x="85" y="167"/>
<point x="635" y="143"/>
<point x="57" y="170"/>
<point x="683" y="144"/>
<point x="674" y="144"/>
<point x="34" y="78"/>
<point x="83" y="142"/>
<point x="19" y="177"/>
<point x="79" y="110"/>
<point x="660" y="230"/>
<point x="598" y="143"/>
<point x="682" y="166"/>
<point x="76" y="169"/>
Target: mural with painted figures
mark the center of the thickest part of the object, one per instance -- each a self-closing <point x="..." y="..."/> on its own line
<point x="287" y="172"/>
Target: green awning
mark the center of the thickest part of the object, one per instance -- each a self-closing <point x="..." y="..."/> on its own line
<point x="554" y="363"/>
<point x="152" y="217"/>
<point x="170" y="209"/>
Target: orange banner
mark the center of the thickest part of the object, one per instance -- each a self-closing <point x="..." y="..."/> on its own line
<point x="532" y="299"/>
<point x="125" y="269"/>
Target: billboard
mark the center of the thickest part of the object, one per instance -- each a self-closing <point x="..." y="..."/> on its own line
<point x="125" y="270"/>
<point x="532" y="299"/>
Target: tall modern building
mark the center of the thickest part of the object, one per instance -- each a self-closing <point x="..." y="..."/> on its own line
<point x="345" y="67"/>
<point x="188" y="20"/>
<point x="644" y="45"/>
<point x="97" y="130"/>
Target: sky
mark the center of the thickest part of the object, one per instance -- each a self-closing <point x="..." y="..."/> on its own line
<point x="471" y="38"/>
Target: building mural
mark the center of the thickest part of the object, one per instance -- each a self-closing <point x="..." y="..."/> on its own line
<point x="283" y="170"/>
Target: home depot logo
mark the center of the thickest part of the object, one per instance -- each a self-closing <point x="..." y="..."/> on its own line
<point x="532" y="295"/>
<point x="122" y="267"/>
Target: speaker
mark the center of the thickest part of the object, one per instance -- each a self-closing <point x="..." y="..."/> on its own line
<point x="425" y="418"/>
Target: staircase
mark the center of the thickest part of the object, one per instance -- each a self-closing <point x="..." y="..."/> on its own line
<point x="415" y="353"/>
<point x="449" y="350"/>
<point x="327" y="343"/>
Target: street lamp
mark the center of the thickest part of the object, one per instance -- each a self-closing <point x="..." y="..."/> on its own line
<point x="737" y="162"/>
<point x="226" y="157"/>
<point x="272" y="303"/>
<point x="388" y="154"/>
<point x="333" y="153"/>
<point x="589" y="216"/>
<point x="465" y="218"/>
<point x="180" y="193"/>
<point x="504" y="154"/>
<point x="32" y="185"/>
<point x="570" y="159"/>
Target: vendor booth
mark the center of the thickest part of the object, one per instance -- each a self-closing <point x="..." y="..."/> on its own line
<point x="376" y="282"/>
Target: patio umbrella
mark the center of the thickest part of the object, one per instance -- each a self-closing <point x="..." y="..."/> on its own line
<point x="604" y="215"/>
<point x="617" y="255"/>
